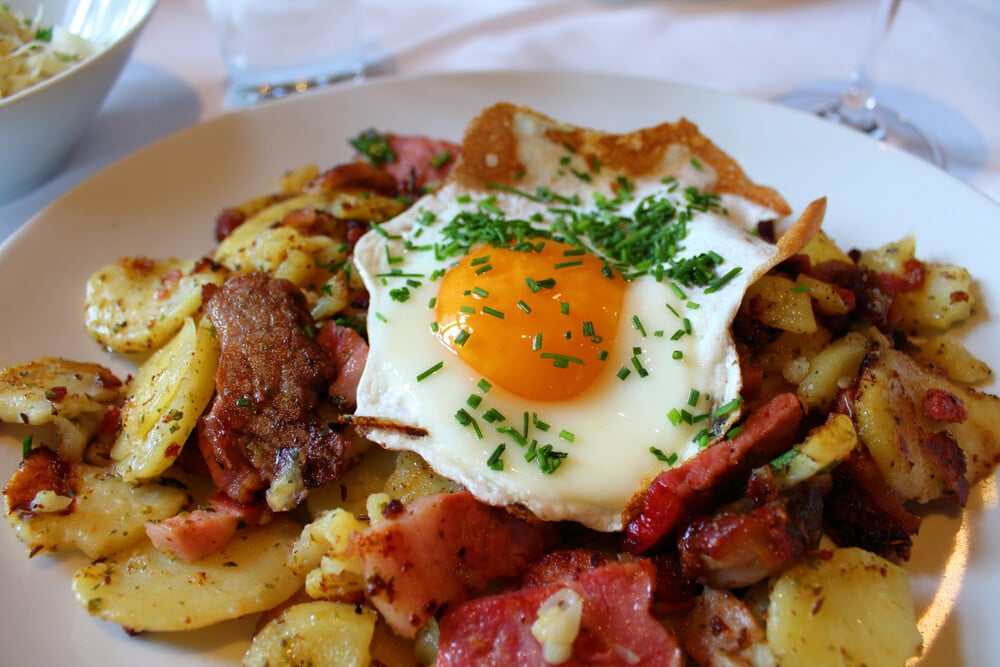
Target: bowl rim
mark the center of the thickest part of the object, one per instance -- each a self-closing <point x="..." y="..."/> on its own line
<point x="88" y="63"/>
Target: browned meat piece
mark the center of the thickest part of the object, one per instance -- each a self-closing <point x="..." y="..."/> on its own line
<point x="40" y="470"/>
<point x="738" y="549"/>
<point x="862" y="511"/>
<point x="721" y="631"/>
<point x="262" y="429"/>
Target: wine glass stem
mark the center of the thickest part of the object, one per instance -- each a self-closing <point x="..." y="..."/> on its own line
<point x="857" y="106"/>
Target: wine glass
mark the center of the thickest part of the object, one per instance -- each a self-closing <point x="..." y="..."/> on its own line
<point x="856" y="106"/>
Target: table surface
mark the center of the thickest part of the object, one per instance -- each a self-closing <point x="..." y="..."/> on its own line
<point x="940" y="62"/>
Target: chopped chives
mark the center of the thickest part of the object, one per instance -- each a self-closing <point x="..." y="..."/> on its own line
<point x="474" y="400"/>
<point x="484" y="385"/>
<point x="495" y="462"/>
<point x="469" y="310"/>
<point x="523" y="306"/>
<point x="725" y="409"/>
<point x="637" y="323"/>
<point x="564" y="308"/>
<point x="493" y="416"/>
<point x="677" y="354"/>
<point x="480" y="292"/>
<point x="430" y="371"/>
<point x="588" y="329"/>
<point x="675" y="416"/>
<point x="483" y="269"/>
<point x="536" y="342"/>
<point x="493" y="311"/>
<point x="623" y="372"/>
<point x="693" y="397"/>
<point x="563" y="358"/>
<point x="568" y="436"/>
<point x="433" y="302"/>
<point x="569" y="264"/>
<point x="462" y="338"/>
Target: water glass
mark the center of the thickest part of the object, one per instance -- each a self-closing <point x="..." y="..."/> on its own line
<point x="275" y="48"/>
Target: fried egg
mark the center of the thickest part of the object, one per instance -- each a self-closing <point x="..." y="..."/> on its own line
<point x="552" y="327"/>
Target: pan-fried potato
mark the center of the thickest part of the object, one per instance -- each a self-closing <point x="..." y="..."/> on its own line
<point x="169" y="392"/>
<point x="851" y="609"/>
<point x="108" y="515"/>
<point x="944" y="300"/>
<point x="784" y="304"/>
<point x="891" y="257"/>
<point x="72" y="396"/>
<point x="365" y="477"/>
<point x="137" y="304"/>
<point x="821" y="248"/>
<point x="947" y="353"/>
<point x="891" y="424"/>
<point x="832" y="369"/>
<point x="825" y="447"/>
<point x="315" y="633"/>
<point x="144" y="589"/>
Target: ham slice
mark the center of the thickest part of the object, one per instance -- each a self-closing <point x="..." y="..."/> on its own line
<point x="193" y="535"/>
<point x="616" y="627"/>
<point x="440" y="549"/>
<point x="349" y="352"/>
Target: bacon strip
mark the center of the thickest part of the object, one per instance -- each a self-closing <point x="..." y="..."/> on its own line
<point x="440" y="549"/>
<point x="616" y="627"/>
<point x="41" y="470"/>
<point x="691" y="487"/>
<point x="349" y="352"/>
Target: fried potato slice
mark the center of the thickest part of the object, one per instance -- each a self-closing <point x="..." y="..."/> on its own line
<point x="72" y="396"/>
<point x="315" y="633"/>
<point x="147" y="590"/>
<point x="893" y="426"/>
<point x="950" y="355"/>
<point x="137" y="304"/>
<point x="853" y="608"/>
<point x="169" y="392"/>
<point x="105" y="514"/>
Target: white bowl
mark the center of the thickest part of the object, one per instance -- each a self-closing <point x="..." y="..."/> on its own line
<point x="41" y="124"/>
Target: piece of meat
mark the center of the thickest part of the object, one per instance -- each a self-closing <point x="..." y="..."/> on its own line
<point x="349" y="352"/>
<point x="562" y="565"/>
<point x="944" y="406"/>
<point x="193" y="535"/>
<point x="358" y="175"/>
<point x="421" y="163"/>
<point x="739" y="549"/>
<point x="441" y="548"/>
<point x="675" y="591"/>
<point x="949" y="459"/>
<point x="721" y="631"/>
<point x="40" y="470"/>
<point x="262" y="429"/>
<point x="861" y="510"/>
<point x="697" y="484"/>
<point x="616" y="626"/>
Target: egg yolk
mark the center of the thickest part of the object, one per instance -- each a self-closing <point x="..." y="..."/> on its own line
<point x="540" y="323"/>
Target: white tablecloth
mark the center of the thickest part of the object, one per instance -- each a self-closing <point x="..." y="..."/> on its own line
<point x="941" y="62"/>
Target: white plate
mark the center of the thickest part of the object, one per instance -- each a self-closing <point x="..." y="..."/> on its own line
<point x="162" y="201"/>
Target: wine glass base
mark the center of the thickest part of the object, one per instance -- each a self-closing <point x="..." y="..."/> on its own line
<point x="885" y="125"/>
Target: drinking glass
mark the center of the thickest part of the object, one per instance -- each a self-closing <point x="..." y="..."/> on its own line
<point x="274" y="48"/>
<point x="856" y="106"/>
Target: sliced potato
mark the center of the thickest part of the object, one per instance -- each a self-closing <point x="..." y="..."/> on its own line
<point x="366" y="476"/>
<point x="315" y="633"/>
<point x="835" y="367"/>
<point x="72" y="396"/>
<point x="144" y="589"/>
<point x="891" y="257"/>
<point x="236" y="250"/>
<point x="891" y="423"/>
<point x="944" y="300"/>
<point x="949" y="354"/>
<point x="414" y="478"/>
<point x="137" y="304"/>
<point x="823" y="449"/>
<point x="169" y="392"/>
<point x="821" y="248"/>
<point x="108" y="515"/>
<point x="782" y="304"/>
<point x="853" y="608"/>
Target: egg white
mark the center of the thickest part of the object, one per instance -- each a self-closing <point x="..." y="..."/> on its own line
<point x="614" y="423"/>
